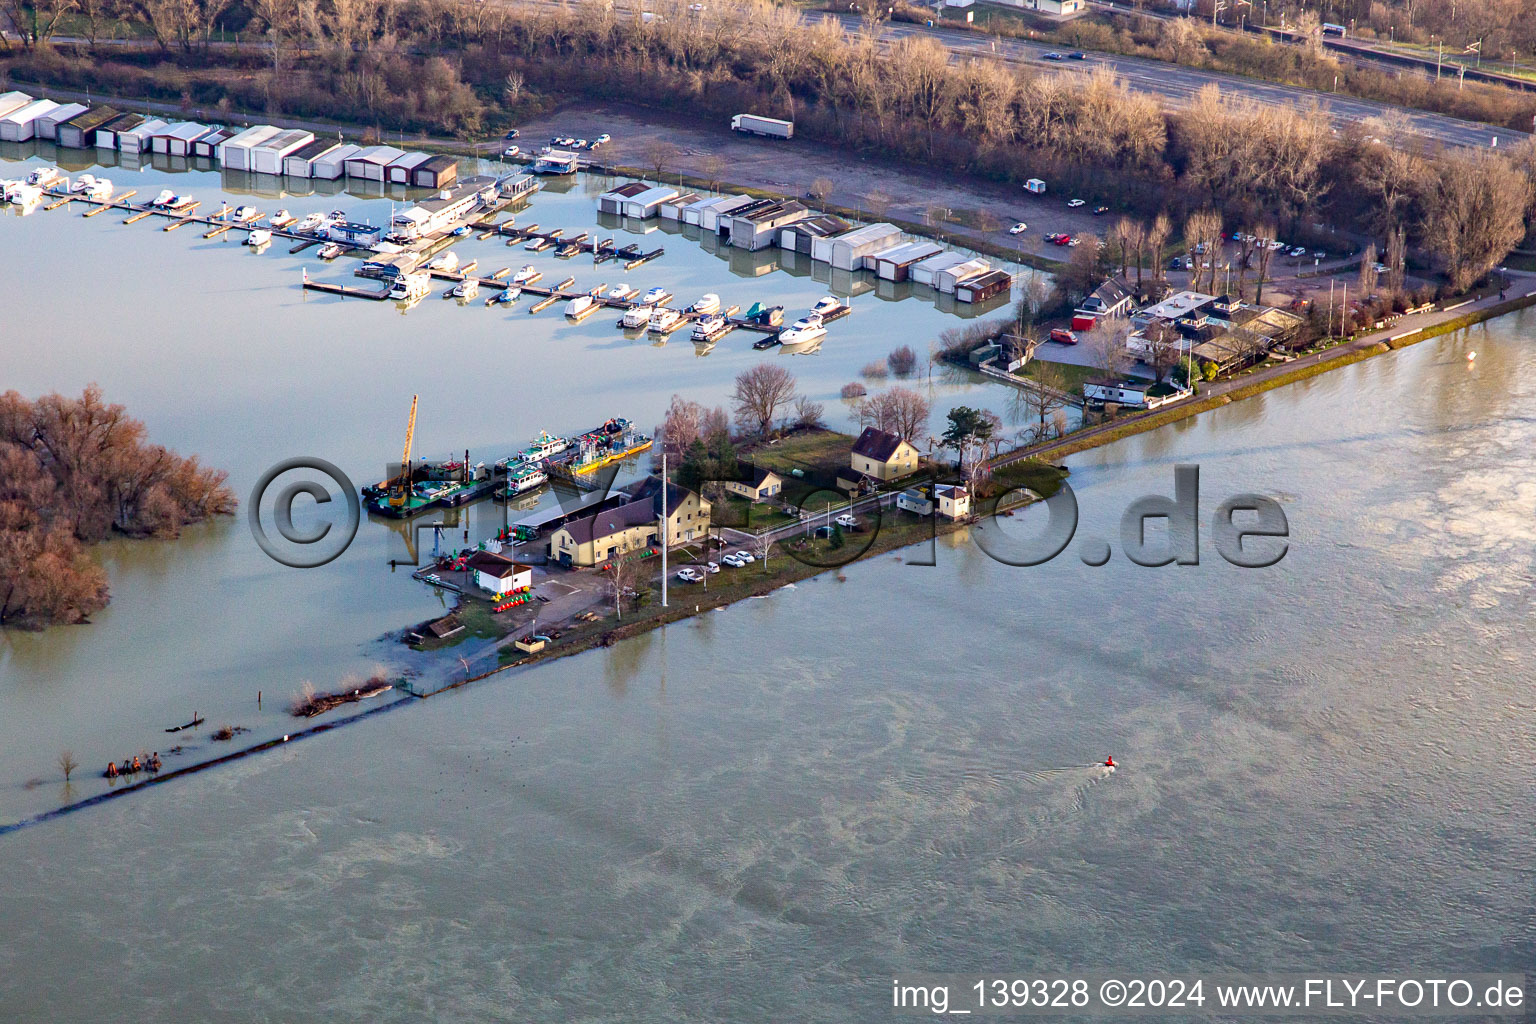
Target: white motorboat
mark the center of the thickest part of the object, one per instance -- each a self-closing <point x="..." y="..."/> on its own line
<point x="22" y="194"/>
<point x="281" y="219"/>
<point x="580" y="306"/>
<point x="825" y="305"/>
<point x="99" y="188"/>
<point x="180" y="202"/>
<point x="311" y="222"/>
<point x="244" y="214"/>
<point x="637" y="316"/>
<point x="448" y="261"/>
<point x="663" y="319"/>
<point x="710" y="327"/>
<point x="707" y="304"/>
<point x="330" y="250"/>
<point x="84" y="184"/>
<point x="467" y="288"/>
<point x="410" y="287"/>
<point x="621" y="291"/>
<point x="163" y="199"/>
<point x="42" y="177"/>
<point x="803" y="331"/>
<point x="655" y="296"/>
<point x="527" y="275"/>
<point x="258" y="237"/>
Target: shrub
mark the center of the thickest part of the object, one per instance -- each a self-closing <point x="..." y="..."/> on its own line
<point x="854" y="390"/>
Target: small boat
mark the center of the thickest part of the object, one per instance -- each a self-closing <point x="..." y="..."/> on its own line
<point x="460" y="231"/>
<point x="196" y="721"/>
<point x="710" y="327"/>
<point x="83" y="184"/>
<point x="311" y="222"/>
<point x="45" y="176"/>
<point x="337" y="216"/>
<point x="543" y="446"/>
<point x="330" y="250"/>
<point x="163" y="199"/>
<point x="505" y="297"/>
<point x="525" y="479"/>
<point x="409" y="287"/>
<point x="244" y="214"/>
<point x="527" y="275"/>
<point x="763" y="343"/>
<point x="467" y="288"/>
<point x="580" y="306"/>
<point x="663" y="319"/>
<point x="99" y="188"/>
<point x="621" y="291"/>
<point x="637" y="317"/>
<point x="655" y="296"/>
<point x="179" y="202"/>
<point x="825" y="305"/>
<point x="22" y="194"/>
<point x="707" y="304"/>
<point x="448" y="261"/>
<point x="768" y="316"/>
<point x="803" y="331"/>
<point x="281" y="219"/>
<point x="260" y="236"/>
<point x="538" y="244"/>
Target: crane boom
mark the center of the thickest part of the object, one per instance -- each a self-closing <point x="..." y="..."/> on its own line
<point x="404" y="488"/>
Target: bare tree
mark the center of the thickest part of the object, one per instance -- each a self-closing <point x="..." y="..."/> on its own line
<point x="1368" y="270"/>
<point x="1106" y="346"/>
<point x="762" y="544"/>
<point x="760" y="393"/>
<point x="713" y="165"/>
<point x="900" y="411"/>
<point x="1046" y="393"/>
<point x="621" y="572"/>
<point x="878" y="201"/>
<point x="659" y="155"/>
<point x="67" y="763"/>
<point x="821" y="188"/>
<point x="1474" y="213"/>
<point x="682" y="425"/>
<point x="1202" y="233"/>
<point x="1267" y="235"/>
<point x="808" y="414"/>
<point x="1397" y="259"/>
<point x="1157" y="243"/>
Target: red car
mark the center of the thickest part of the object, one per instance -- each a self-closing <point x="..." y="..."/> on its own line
<point x="1064" y="336"/>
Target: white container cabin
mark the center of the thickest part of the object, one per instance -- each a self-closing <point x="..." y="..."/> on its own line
<point x="848" y="251"/>
<point x="333" y="163"/>
<point x="234" y="153"/>
<point x="48" y="124"/>
<point x="369" y="164"/>
<point x="20" y="124"/>
<point x="267" y="156"/>
<point x="923" y="271"/>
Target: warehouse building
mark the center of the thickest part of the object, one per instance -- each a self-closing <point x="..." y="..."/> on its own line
<point x="267" y="156"/>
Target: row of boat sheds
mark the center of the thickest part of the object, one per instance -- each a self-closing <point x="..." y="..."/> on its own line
<point x="259" y="149"/>
<point x="753" y="223"/>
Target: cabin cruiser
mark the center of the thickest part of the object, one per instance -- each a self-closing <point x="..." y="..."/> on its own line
<point x="525" y="479"/>
<point x="83" y="184"/>
<point x="527" y="275"/>
<point x="707" y="304"/>
<point x="710" y="327"/>
<point x="330" y="250"/>
<point x="45" y="176"/>
<point x="410" y="286"/>
<point x="93" y="187"/>
<point x="22" y="194"/>
<point x="637" y="316"/>
<point x="621" y="291"/>
<point x="281" y="219"/>
<point x="311" y="222"/>
<point x="825" y="305"/>
<point x="448" y="261"/>
<point x="580" y="306"/>
<point x="654" y="296"/>
<point x="663" y="319"/>
<point x="467" y="288"/>
<point x="505" y="297"/>
<point x="260" y="236"/>
<point x="244" y="214"/>
<point x="803" y="331"/>
<point x="164" y="199"/>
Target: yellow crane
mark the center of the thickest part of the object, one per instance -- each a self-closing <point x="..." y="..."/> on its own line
<point x="403" y="491"/>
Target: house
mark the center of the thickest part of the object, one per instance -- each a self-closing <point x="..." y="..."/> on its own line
<point x="556" y="161"/>
<point x="896" y="263"/>
<point x="79" y="132"/>
<point x="48" y="124"/>
<point x="849" y="250"/>
<point x="1111" y="300"/>
<point x="983" y="286"/>
<point x="632" y="526"/>
<point x="1131" y="393"/>
<point x="954" y="501"/>
<point x="799" y="236"/>
<point x="757" y="484"/>
<point x="760" y="228"/>
<point x="914" y="501"/>
<point x="498" y="573"/>
<point x="436" y="172"/>
<point x="882" y="456"/>
<point x="1057" y="8"/>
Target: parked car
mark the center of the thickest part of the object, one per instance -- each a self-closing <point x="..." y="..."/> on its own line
<point x="1298" y="251"/>
<point x="732" y="561"/>
<point x="1063" y="336"/>
<point x="1274" y="244"/>
<point x="688" y="574"/>
<point x="602" y="139"/>
<point x="1075" y="203"/>
<point x="581" y="143"/>
<point x="1053" y="55"/>
<point x="1071" y="240"/>
<point x="711" y="566"/>
<point x="1098" y="210"/>
<point x="514" y="133"/>
<point x="1077" y="55"/>
<point x="1380" y="268"/>
<point x="745" y="556"/>
<point x="846" y="521"/>
<point x="1320" y="254"/>
<point x="1018" y="229"/>
<point x="510" y="151"/>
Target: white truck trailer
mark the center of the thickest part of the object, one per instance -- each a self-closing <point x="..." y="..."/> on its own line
<point x="771" y="127"/>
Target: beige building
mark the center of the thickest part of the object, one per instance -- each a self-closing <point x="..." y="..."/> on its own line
<point x="883" y="456"/>
<point x="759" y="484"/>
<point x="954" y="501"/>
<point x="632" y="526"/>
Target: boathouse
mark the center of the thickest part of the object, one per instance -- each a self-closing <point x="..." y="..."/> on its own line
<point x="135" y="141"/>
<point x="21" y="124"/>
<point x="13" y="101"/>
<point x="267" y="157"/>
<point x="436" y="172"/>
<point x="848" y="251"/>
<point x="177" y="139"/>
<point x="333" y="163"/>
<point x="207" y="147"/>
<point x="612" y="201"/>
<point x="48" y="124"/>
<point x="400" y="169"/>
<point x="759" y="228"/>
<point x="105" y="135"/>
<point x="370" y="163"/>
<point x="799" y="236"/>
<point x="234" y="153"/>
<point x="79" y="132"/>
<point x="983" y="286"/>
<point x="923" y="271"/>
<point x="896" y="263"/>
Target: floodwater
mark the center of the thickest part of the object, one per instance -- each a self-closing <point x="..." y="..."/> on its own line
<point x="768" y="812"/>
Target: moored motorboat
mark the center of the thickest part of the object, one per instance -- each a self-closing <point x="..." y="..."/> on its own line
<point x="621" y="291"/>
<point x="467" y="288"/>
<point x="580" y="306"/>
<point x="663" y="319"/>
<point x="803" y="331"/>
<point x="709" y="328"/>
<point x="260" y="236"/>
<point x="447" y="262"/>
<point x="330" y="250"/>
<point x="281" y="219"/>
<point x="707" y="304"/>
<point x="409" y="287"/>
<point x="654" y="297"/>
<point x="527" y="275"/>
<point x="311" y="222"/>
<point x="637" y="317"/>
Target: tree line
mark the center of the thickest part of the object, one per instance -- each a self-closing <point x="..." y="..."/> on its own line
<point x="74" y="471"/>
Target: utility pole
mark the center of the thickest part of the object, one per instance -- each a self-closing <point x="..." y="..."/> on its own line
<point x="663" y="525"/>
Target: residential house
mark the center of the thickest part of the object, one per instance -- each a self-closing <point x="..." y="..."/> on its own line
<point x="757" y="483"/>
<point x="632" y="526"/>
<point x="1111" y="300"/>
<point x="498" y="573"/>
<point x="882" y="456"/>
<point x="954" y="501"/>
